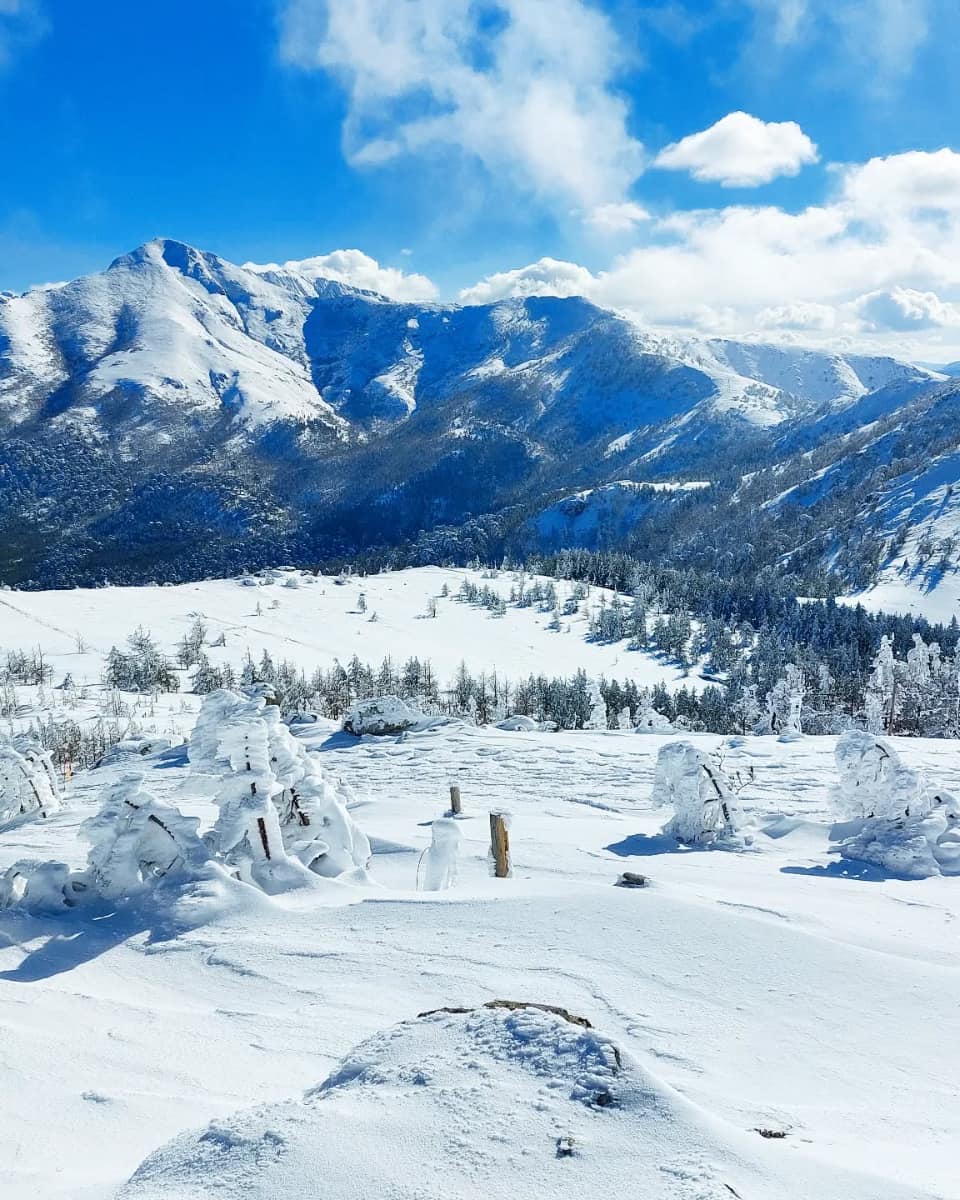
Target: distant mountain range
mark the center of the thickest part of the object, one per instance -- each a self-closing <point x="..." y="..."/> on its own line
<point x="178" y="415"/>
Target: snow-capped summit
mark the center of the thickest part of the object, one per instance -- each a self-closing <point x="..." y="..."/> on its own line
<point x="233" y="408"/>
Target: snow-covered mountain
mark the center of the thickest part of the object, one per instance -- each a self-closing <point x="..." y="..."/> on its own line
<point x="177" y="413"/>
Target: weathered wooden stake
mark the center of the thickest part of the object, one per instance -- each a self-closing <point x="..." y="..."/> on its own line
<point x="500" y="845"/>
<point x="455" y="799"/>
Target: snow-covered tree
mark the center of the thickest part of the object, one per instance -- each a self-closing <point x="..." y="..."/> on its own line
<point x="904" y="824"/>
<point x="278" y="809"/>
<point x="704" y="804"/>
<point x="598" y="708"/>
<point x="136" y="840"/>
<point x="28" y="780"/>
<point x="881" y="689"/>
<point x="785" y="702"/>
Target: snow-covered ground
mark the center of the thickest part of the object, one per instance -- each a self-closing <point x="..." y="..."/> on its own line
<point x="774" y="987"/>
<point x="318" y="620"/>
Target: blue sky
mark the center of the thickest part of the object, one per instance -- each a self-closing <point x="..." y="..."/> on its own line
<point x="470" y="141"/>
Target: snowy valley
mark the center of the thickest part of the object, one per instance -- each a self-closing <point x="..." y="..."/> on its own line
<point x="238" y="991"/>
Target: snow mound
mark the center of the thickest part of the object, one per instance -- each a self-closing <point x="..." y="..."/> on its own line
<point x="490" y="1103"/>
<point x="383" y="715"/>
<point x="518" y="724"/>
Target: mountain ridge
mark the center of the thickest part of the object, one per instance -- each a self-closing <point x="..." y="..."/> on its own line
<point x="223" y="410"/>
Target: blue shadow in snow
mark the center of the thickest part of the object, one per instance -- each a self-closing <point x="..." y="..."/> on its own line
<point x="176" y="756"/>
<point x="639" y="845"/>
<point x="77" y="938"/>
<point x="846" y="868"/>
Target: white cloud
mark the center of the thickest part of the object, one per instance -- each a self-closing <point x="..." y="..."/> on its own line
<point x="359" y="270"/>
<point x="526" y="88"/>
<point x="878" y="40"/>
<point x="740" y="151"/>
<point x="907" y="309"/>
<point x="616" y="218"/>
<point x="548" y="277"/>
<point x="911" y="183"/>
<point x="802" y="314"/>
<point x="877" y="266"/>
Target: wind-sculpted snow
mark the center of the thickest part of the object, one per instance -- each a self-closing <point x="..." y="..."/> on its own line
<point x="499" y="1103"/>
<point x="732" y="986"/>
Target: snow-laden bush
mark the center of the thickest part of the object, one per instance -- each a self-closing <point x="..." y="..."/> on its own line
<point x="873" y="782"/>
<point x="698" y="791"/>
<point x="896" y="819"/>
<point x="279" y="812"/>
<point x="382" y="715"/>
<point x="518" y="724"/>
<point x="41" y="887"/>
<point x="915" y="847"/>
<point x="136" y="840"/>
<point x="651" y="721"/>
<point x="440" y="858"/>
<point x="28" y="780"/>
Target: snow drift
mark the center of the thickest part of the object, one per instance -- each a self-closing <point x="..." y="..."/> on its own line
<point x="492" y="1103"/>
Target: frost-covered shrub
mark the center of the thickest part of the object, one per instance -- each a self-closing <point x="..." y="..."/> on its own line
<point x="42" y="887"/>
<point x="279" y="812"/>
<point x="915" y="847"/>
<point x="651" y="721"/>
<point x="698" y="791"/>
<point x="28" y="780"/>
<point x="873" y="782"/>
<point x="902" y="823"/>
<point x="136" y="840"/>
<point x="380" y="715"/>
<point x="440" y="858"/>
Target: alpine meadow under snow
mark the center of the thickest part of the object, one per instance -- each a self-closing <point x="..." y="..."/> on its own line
<point x="248" y="948"/>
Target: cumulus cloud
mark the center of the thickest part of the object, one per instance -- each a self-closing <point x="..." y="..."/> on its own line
<point x="911" y="183"/>
<point x="879" y="263"/>
<point x="526" y="88"/>
<point x="548" y="277"/>
<point x="359" y="270"/>
<point x="803" y="314"/>
<point x="905" y="309"/>
<point x="740" y="151"/>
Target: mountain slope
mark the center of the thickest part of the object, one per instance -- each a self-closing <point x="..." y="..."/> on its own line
<point x="177" y="414"/>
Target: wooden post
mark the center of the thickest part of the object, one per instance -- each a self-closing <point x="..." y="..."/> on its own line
<point x="500" y="845"/>
<point x="455" y="799"/>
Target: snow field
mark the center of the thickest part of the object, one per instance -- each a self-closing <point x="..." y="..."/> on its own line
<point x="316" y="621"/>
<point x="772" y="988"/>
